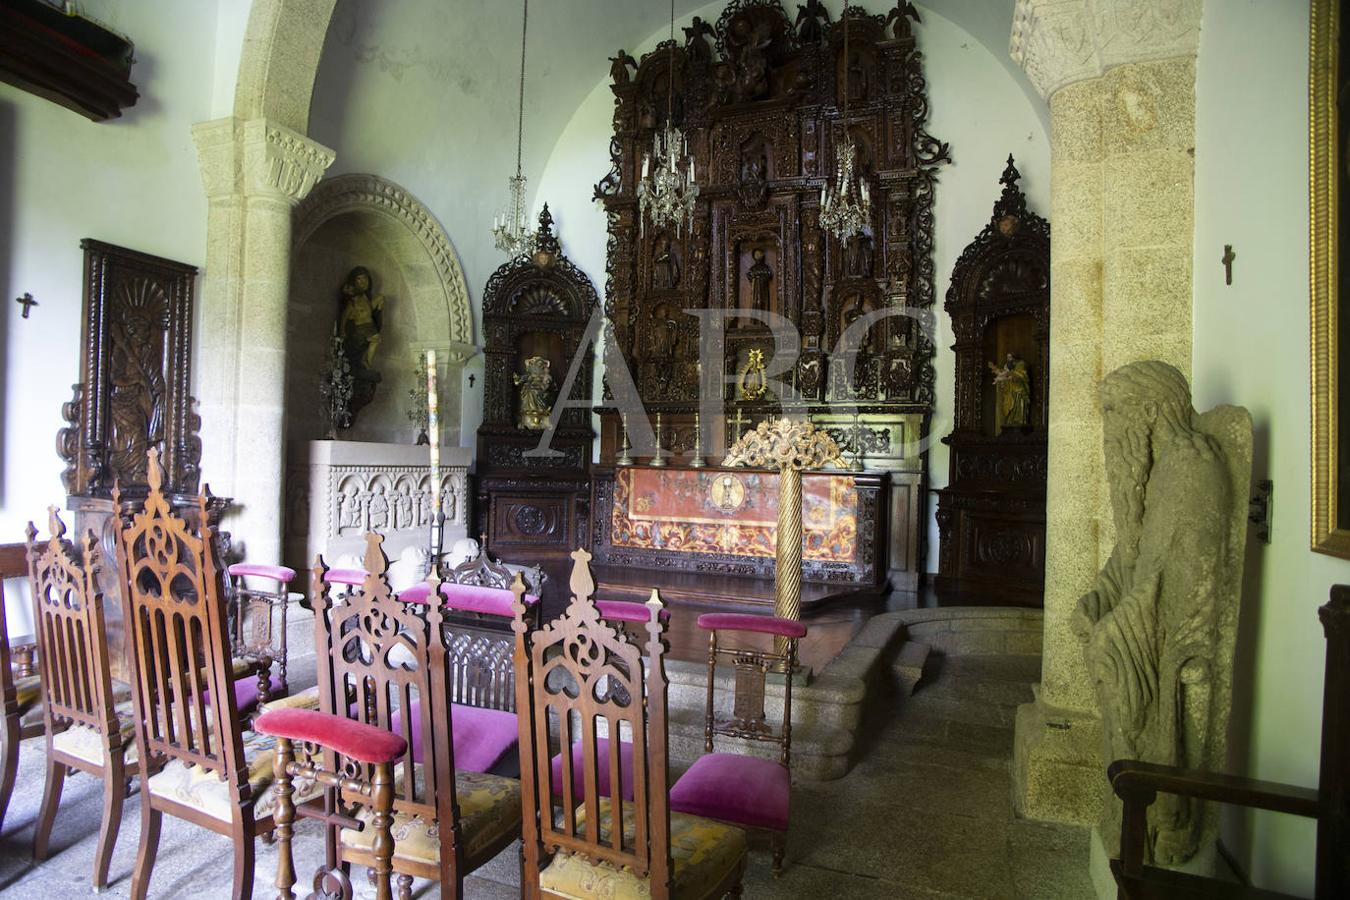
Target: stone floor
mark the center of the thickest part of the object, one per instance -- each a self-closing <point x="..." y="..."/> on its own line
<point x="925" y="813"/>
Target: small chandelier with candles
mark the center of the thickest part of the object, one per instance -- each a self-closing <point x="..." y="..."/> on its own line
<point x="511" y="228"/>
<point x="667" y="193"/>
<point x="846" y="201"/>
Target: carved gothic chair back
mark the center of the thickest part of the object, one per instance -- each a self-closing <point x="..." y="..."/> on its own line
<point x="87" y="730"/>
<point x="383" y="663"/>
<point x="748" y="790"/>
<point x="214" y="773"/>
<point x="20" y="686"/>
<point x="580" y="679"/>
<point x="1138" y="785"/>
<point x="258" y="630"/>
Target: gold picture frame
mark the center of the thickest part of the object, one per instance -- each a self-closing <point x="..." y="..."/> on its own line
<point x="1324" y="168"/>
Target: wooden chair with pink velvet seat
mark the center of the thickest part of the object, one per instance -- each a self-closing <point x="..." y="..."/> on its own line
<point x="382" y="662"/>
<point x="577" y="678"/>
<point x="20" y="686"/>
<point x="750" y="791"/>
<point x="258" y="630"/>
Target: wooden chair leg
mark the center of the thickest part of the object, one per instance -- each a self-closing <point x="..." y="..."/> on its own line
<point x="284" y="817"/>
<point x="145" y="856"/>
<point x="244" y="861"/>
<point x="9" y="762"/>
<point x="51" y="799"/>
<point x="114" y="778"/>
<point x="382" y="844"/>
<point x="405" y="883"/>
<point x="779" y="845"/>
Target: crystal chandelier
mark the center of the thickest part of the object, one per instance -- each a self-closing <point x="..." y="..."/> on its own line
<point x="511" y="228"/>
<point x="846" y="202"/>
<point x="667" y="193"/>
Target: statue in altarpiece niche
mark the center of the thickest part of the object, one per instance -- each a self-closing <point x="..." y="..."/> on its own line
<point x="759" y="274"/>
<point x="1158" y="626"/>
<point x="1013" y="386"/>
<point x="536" y="388"/>
<point x="359" y="325"/>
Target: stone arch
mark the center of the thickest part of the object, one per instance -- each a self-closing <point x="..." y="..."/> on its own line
<point x="439" y="287"/>
<point x="280" y="60"/>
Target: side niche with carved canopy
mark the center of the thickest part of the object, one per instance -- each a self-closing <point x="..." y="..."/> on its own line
<point x="991" y="516"/>
<point x="536" y="310"/>
<point x="759" y="96"/>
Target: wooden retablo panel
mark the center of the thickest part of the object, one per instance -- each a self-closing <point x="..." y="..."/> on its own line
<point x="759" y="97"/>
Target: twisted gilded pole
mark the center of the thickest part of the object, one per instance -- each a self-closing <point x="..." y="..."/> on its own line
<point x="789" y="446"/>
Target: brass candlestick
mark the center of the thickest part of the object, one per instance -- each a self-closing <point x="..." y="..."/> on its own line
<point x="657" y="459"/>
<point x="625" y="450"/>
<point x="698" y="461"/>
<point x="856" y="440"/>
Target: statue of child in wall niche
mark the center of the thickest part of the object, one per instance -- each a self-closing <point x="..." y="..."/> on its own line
<point x="359" y="325"/>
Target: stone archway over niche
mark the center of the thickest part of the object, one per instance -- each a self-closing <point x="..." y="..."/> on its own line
<point x="366" y="220"/>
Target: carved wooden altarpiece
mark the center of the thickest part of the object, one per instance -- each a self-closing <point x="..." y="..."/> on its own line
<point x="758" y="98"/>
<point x="534" y="509"/>
<point x="132" y="397"/>
<point x="991" y="516"/>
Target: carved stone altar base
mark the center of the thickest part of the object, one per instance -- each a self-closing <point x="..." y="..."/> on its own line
<point x="336" y="491"/>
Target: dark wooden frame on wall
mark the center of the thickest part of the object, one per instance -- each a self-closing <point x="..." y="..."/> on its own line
<point x="991" y="515"/>
<point x="66" y="58"/>
<point x="534" y="510"/>
<point x="762" y="118"/>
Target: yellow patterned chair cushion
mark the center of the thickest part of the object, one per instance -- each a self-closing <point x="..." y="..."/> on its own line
<point x="84" y="742"/>
<point x="306" y="699"/>
<point x="705" y="853"/>
<point x="489" y="809"/>
<point x="206" y="791"/>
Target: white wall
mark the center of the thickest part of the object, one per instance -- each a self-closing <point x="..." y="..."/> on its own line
<point x="1251" y="348"/>
<point x="963" y="76"/>
<point x="133" y="182"/>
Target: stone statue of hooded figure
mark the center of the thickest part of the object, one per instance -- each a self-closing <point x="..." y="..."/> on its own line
<point x="1159" y="624"/>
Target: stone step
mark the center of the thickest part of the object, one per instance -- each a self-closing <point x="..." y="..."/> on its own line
<point x="908" y="665"/>
<point x="819" y="753"/>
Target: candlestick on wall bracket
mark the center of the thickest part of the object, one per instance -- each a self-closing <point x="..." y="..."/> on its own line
<point x="435" y="539"/>
<point x="855" y="444"/>
<point x="658" y="459"/>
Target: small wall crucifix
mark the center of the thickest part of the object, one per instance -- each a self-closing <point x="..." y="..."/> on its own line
<point x="1227" y="260"/>
<point x="28" y="303"/>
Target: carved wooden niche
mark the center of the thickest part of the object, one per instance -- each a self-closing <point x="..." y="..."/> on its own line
<point x="991" y="516"/>
<point x="534" y="508"/>
<point x="135" y="373"/>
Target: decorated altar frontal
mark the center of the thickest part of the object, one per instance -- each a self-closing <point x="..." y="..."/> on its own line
<point x="711" y="532"/>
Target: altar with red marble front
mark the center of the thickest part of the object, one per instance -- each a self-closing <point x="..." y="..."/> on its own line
<point x="709" y="534"/>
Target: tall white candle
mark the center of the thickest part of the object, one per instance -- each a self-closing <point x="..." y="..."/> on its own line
<point x="434" y="433"/>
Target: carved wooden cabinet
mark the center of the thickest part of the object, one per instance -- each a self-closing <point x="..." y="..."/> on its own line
<point x="991" y="515"/>
<point x="534" y="507"/>
<point x="759" y="96"/>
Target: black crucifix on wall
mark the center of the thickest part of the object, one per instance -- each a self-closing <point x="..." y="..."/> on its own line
<point x="27" y="302"/>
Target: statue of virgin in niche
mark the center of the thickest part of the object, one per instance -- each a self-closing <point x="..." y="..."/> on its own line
<point x="535" y="387"/>
<point x="1013" y="385"/>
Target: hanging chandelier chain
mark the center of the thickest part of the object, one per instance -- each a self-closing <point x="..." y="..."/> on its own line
<point x="520" y="100"/>
<point x="670" y="74"/>
<point x="844" y="21"/>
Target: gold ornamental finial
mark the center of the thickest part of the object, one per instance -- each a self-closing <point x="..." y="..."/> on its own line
<point x="785" y="444"/>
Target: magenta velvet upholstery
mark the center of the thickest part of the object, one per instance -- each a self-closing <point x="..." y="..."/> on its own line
<point x="626" y="611"/>
<point x="602" y="763"/>
<point x="789" y="628"/>
<point x="355" y="740"/>
<point x="246" y="691"/>
<point x="742" y="790"/>
<point x="282" y="574"/>
<point x="481" y="736"/>
<point x="349" y="577"/>
<point x="468" y="598"/>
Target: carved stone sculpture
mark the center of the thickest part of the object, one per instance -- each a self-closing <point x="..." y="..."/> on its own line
<point x="359" y="325"/>
<point x="1158" y="626"/>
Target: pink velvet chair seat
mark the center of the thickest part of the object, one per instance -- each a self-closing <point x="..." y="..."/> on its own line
<point x="742" y="790"/>
<point x="602" y="760"/>
<point x="481" y="737"/>
<point x="472" y="598"/>
<point x="280" y="574"/>
<point x="349" y="577"/>
<point x="789" y="628"/>
<point x="626" y="611"/>
<point x="355" y="740"/>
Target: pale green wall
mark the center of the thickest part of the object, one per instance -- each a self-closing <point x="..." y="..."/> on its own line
<point x="1251" y="348"/>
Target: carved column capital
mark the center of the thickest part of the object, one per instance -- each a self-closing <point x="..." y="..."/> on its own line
<point x="1061" y="42"/>
<point x="258" y="157"/>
